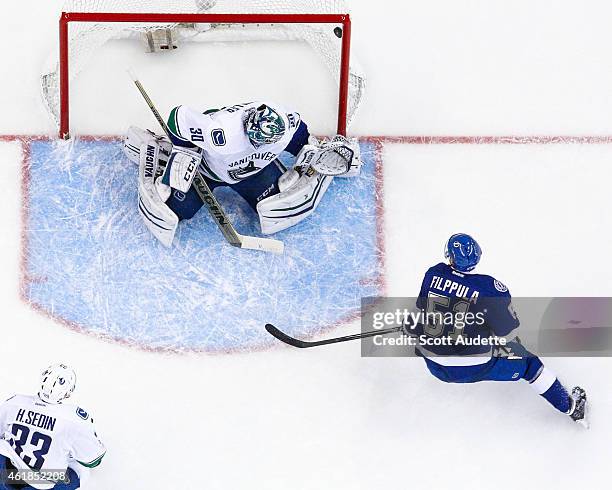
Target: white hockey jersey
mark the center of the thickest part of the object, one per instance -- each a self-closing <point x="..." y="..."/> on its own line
<point x="37" y="435"/>
<point x="228" y="155"/>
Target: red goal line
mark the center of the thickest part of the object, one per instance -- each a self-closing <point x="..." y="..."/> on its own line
<point x="406" y="140"/>
<point x="490" y="140"/>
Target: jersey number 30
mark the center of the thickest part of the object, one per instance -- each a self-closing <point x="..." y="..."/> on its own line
<point x="41" y="443"/>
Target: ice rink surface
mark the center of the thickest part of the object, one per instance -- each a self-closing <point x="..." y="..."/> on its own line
<point x="279" y="418"/>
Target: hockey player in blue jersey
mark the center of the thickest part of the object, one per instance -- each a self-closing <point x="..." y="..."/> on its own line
<point x="451" y="288"/>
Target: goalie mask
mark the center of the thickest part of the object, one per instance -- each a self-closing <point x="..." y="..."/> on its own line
<point x="264" y="126"/>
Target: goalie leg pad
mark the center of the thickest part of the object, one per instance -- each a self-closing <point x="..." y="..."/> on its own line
<point x="155" y="213"/>
<point x="294" y="204"/>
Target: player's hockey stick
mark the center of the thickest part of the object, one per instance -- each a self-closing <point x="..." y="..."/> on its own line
<point x="210" y="201"/>
<point x="303" y="344"/>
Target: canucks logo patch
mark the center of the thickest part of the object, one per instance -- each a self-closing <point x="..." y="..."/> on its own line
<point x="178" y="195"/>
<point x="218" y="137"/>
<point x="82" y="413"/>
<point x="500" y="286"/>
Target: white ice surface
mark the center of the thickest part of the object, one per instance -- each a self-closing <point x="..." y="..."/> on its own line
<point x="328" y="418"/>
<point x="435" y="67"/>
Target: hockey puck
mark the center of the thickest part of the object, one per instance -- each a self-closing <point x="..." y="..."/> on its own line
<point x="338" y="32"/>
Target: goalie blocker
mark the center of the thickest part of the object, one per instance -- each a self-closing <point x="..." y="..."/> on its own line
<point x="281" y="197"/>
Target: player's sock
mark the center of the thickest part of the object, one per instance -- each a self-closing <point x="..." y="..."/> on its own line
<point x="558" y="397"/>
<point x="549" y="387"/>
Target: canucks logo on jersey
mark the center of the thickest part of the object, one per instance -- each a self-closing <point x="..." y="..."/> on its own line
<point x="264" y="126"/>
<point x="218" y="137"/>
<point x="244" y="172"/>
<point x="82" y="413"/>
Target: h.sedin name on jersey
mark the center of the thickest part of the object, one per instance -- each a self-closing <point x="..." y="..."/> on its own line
<point x="36" y="419"/>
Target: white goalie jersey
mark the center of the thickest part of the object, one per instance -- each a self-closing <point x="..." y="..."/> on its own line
<point x="227" y="147"/>
<point x="228" y="155"/>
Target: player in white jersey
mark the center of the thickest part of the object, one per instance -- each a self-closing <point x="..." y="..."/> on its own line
<point x="236" y="147"/>
<point x="44" y="442"/>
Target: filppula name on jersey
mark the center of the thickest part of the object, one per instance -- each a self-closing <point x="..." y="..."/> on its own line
<point x="453" y="288"/>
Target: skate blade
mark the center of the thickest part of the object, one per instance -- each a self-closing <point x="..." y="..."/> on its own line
<point x="584" y="422"/>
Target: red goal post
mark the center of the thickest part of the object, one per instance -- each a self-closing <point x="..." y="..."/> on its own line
<point x="100" y="17"/>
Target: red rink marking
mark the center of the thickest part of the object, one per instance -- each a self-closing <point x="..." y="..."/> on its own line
<point x="378" y="143"/>
<point x="490" y="140"/>
<point x="407" y="140"/>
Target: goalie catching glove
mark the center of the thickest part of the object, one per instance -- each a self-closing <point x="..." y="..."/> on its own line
<point x="339" y="157"/>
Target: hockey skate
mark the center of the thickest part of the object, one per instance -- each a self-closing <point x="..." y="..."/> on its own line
<point x="578" y="411"/>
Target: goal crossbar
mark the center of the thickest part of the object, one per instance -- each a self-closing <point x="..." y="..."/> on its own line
<point x="67" y="17"/>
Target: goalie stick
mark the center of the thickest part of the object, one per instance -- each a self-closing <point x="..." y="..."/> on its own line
<point x="210" y="201"/>
<point x="303" y="344"/>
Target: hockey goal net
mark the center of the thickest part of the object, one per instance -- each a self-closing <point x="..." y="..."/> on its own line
<point x="86" y="25"/>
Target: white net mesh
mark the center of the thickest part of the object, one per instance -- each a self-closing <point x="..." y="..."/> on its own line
<point x="86" y="38"/>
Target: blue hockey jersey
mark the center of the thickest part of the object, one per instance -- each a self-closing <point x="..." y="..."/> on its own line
<point x="478" y="306"/>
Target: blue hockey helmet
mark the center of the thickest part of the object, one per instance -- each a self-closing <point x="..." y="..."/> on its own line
<point x="264" y="126"/>
<point x="463" y="252"/>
